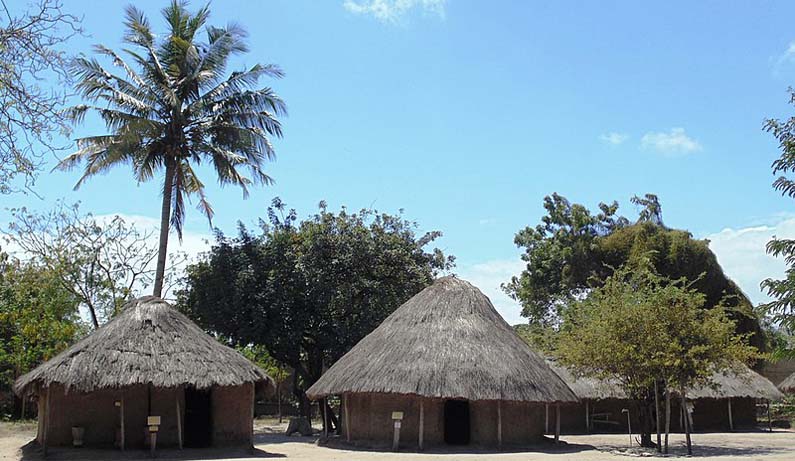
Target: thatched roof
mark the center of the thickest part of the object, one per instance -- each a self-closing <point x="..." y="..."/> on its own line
<point x="737" y="381"/>
<point x="148" y="342"/>
<point x="447" y="341"/>
<point x="588" y="388"/>
<point x="788" y="385"/>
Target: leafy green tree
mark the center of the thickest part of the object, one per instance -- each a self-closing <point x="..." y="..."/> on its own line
<point x="309" y="291"/>
<point x="574" y="251"/>
<point x="174" y="109"/>
<point x="38" y="319"/>
<point x="782" y="307"/>
<point x="640" y="329"/>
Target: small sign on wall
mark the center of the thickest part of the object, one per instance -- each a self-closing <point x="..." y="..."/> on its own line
<point x="397" y="415"/>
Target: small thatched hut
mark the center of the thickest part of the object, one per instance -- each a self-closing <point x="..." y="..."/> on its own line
<point x="452" y="366"/>
<point x="729" y="402"/>
<point x="150" y="360"/>
<point x="788" y="385"/>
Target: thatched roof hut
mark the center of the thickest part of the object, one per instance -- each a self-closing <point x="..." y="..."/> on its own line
<point x="729" y="401"/>
<point x="148" y="356"/>
<point x="788" y="385"/>
<point x="447" y="343"/>
<point x="737" y="382"/>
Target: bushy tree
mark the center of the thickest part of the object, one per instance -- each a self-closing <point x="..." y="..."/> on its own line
<point x="574" y="251"/>
<point x="38" y="319"/>
<point x="309" y="291"/>
<point x="640" y="329"/>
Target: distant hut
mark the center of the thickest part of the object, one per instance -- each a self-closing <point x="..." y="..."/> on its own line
<point x="600" y="407"/>
<point x="150" y="360"/>
<point x="788" y="385"/>
<point x="729" y="402"/>
<point x="452" y="366"/>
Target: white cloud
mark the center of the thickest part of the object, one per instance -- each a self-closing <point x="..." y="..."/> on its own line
<point x="392" y="11"/>
<point x="674" y="142"/>
<point x="613" y="138"/>
<point x="488" y="276"/>
<point x="741" y="253"/>
<point x="487" y="221"/>
<point x="787" y="56"/>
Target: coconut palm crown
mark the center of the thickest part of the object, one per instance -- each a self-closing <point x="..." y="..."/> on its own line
<point x="173" y="107"/>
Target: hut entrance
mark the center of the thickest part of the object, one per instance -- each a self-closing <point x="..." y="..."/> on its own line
<point x="456" y="422"/>
<point x="198" y="418"/>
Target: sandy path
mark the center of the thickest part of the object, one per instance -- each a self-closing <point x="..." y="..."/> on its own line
<point x="778" y="446"/>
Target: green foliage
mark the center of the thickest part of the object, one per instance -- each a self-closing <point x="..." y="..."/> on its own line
<point x="260" y="356"/>
<point x="574" y="251"/>
<point x="308" y="291"/>
<point x="174" y="108"/>
<point x="38" y="318"/>
<point x="640" y="327"/>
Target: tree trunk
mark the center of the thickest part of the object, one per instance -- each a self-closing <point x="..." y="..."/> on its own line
<point x="645" y="424"/>
<point x="687" y="424"/>
<point x="165" y="216"/>
<point x="279" y="399"/>
<point x="657" y="415"/>
<point x="667" y="418"/>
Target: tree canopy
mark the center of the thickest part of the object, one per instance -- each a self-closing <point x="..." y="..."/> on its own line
<point x="310" y="290"/>
<point x="574" y="251"/>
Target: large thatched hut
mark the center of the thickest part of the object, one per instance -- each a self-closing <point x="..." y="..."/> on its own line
<point x="729" y="402"/>
<point x="452" y="366"/>
<point x="150" y="360"/>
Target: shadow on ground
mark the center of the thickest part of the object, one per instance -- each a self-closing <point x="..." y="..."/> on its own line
<point x="33" y="452"/>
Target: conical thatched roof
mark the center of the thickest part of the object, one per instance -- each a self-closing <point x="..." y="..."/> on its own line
<point x="588" y="388"/>
<point x="447" y="341"/>
<point x="737" y="382"/>
<point x="788" y="385"/>
<point x="148" y="342"/>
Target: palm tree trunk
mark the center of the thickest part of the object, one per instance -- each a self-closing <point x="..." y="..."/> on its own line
<point x="165" y="215"/>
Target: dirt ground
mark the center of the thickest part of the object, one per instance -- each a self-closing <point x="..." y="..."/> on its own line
<point x="270" y="443"/>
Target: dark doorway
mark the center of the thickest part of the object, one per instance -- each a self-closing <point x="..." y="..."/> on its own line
<point x="456" y="422"/>
<point x="198" y="418"/>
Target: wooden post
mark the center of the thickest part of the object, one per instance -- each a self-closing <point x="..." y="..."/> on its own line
<point x="179" y="424"/>
<point x="279" y="399"/>
<point x="546" y="418"/>
<point x="251" y="414"/>
<point x="769" y="419"/>
<point x="499" y="424"/>
<point x="345" y="399"/>
<point x="667" y="418"/>
<point x="396" y="434"/>
<point x="557" y="422"/>
<point x="325" y="418"/>
<point x="731" y="421"/>
<point x="657" y="415"/>
<point x="587" y="417"/>
<point x="121" y="421"/>
<point x="422" y="424"/>
<point x="46" y="419"/>
<point x="152" y="443"/>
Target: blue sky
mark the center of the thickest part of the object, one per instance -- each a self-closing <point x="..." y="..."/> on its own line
<point x="467" y="113"/>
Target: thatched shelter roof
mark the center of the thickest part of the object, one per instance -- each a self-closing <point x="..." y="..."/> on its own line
<point x="588" y="388"/>
<point x="736" y="382"/>
<point x="148" y="342"/>
<point x="788" y="385"/>
<point x="447" y="341"/>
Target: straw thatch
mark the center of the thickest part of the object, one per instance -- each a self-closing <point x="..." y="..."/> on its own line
<point x="148" y="342"/>
<point x="588" y="388"/>
<point x="447" y="341"/>
<point x="788" y="385"/>
<point x="737" y="382"/>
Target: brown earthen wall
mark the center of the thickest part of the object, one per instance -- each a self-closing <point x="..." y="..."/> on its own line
<point x="232" y="407"/>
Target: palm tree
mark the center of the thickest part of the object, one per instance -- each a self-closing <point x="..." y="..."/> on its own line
<point x="175" y="109"/>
